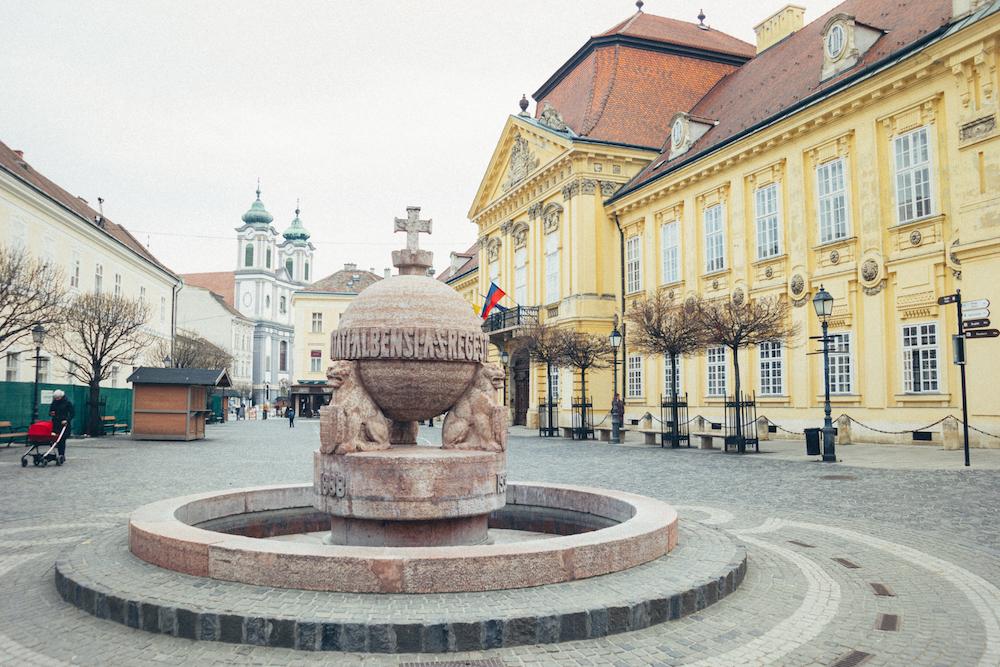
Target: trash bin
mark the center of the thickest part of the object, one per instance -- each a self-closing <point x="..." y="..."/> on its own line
<point x="812" y="441"/>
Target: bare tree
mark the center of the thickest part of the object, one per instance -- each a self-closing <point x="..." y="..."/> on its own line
<point x="741" y="325"/>
<point x="662" y="325"/>
<point x="584" y="351"/>
<point x="102" y="331"/>
<point x="543" y="344"/>
<point x="192" y="351"/>
<point x="32" y="292"/>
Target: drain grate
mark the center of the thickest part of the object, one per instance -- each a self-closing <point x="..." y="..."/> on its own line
<point x="848" y="564"/>
<point x="838" y="477"/>
<point x="489" y="662"/>
<point x="883" y="590"/>
<point x="852" y="659"/>
<point x="889" y="622"/>
<point x="801" y="544"/>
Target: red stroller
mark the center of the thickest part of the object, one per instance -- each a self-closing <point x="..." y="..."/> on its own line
<point x="40" y="435"/>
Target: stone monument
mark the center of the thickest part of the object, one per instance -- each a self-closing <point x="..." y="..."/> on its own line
<point x="408" y="349"/>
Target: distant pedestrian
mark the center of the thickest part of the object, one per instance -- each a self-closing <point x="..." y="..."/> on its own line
<point x="291" y="418"/>
<point x="62" y="413"/>
<point x="618" y="407"/>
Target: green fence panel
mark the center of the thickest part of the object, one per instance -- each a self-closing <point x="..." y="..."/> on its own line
<point x="16" y="401"/>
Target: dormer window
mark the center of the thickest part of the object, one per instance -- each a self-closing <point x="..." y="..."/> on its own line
<point x="685" y="131"/>
<point x="835" y="42"/>
<point x="845" y="41"/>
<point x="677" y="132"/>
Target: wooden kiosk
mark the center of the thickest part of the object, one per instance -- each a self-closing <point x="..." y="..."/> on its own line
<point x="171" y="403"/>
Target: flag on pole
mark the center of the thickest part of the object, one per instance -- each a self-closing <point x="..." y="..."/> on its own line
<point x="494" y="295"/>
<point x="475" y="309"/>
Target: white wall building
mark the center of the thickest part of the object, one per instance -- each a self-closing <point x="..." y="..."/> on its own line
<point x="202" y="311"/>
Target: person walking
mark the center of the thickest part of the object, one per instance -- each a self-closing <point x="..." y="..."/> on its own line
<point x="618" y="406"/>
<point x="62" y="412"/>
<point x="291" y="417"/>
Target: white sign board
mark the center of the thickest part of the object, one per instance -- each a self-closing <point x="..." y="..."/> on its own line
<point x="974" y="314"/>
<point x="978" y="303"/>
<point x="46" y="398"/>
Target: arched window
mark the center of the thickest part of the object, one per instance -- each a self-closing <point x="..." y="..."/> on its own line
<point x="269" y="257"/>
<point x="289" y="264"/>
<point x="282" y="356"/>
<point x="306" y="277"/>
<point x="281" y="304"/>
<point x="249" y="257"/>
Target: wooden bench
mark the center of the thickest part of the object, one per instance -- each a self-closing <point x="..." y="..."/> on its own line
<point x="111" y="422"/>
<point x="10" y="435"/>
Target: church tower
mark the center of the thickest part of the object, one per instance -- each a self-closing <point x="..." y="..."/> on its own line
<point x="297" y="252"/>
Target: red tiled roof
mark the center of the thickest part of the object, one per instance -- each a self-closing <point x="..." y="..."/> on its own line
<point x="343" y="282"/>
<point x="24" y="172"/>
<point x="221" y="283"/>
<point x="625" y="84"/>
<point x="782" y="76"/>
<point x="470" y="265"/>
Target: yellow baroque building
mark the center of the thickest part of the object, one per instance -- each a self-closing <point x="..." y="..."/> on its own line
<point x="858" y="152"/>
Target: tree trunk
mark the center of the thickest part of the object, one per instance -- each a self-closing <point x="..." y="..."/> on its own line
<point x="548" y="396"/>
<point x="675" y="432"/>
<point x="741" y="445"/>
<point x="94" y="427"/>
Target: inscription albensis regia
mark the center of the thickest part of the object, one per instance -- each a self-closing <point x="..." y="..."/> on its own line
<point x="522" y="162"/>
<point x="409" y="343"/>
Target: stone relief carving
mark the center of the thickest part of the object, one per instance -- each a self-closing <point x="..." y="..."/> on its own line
<point x="738" y="296"/>
<point x="588" y="186"/>
<point x="957" y="275"/>
<point x="875" y="289"/>
<point x="715" y="284"/>
<point x="520" y="234"/>
<point x="834" y="257"/>
<point x="915" y="237"/>
<point x="769" y="272"/>
<point x="869" y="270"/>
<point x="798" y="285"/>
<point x="505" y="227"/>
<point x="670" y="294"/>
<point x="522" y="162"/>
<point x="978" y="129"/>
<point x="353" y="421"/>
<point x="570" y="190"/>
<point x="535" y="210"/>
<point x="476" y="421"/>
<point x="798" y="303"/>
<point x="493" y="249"/>
<point x="608" y="188"/>
<point x="481" y="241"/>
<point x="551" y="118"/>
<point x="551" y="217"/>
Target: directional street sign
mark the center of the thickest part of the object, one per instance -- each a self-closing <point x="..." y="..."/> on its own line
<point x="983" y="333"/>
<point x="977" y="313"/>
<point x="975" y="324"/>
<point x="951" y="298"/>
<point x="978" y="303"/>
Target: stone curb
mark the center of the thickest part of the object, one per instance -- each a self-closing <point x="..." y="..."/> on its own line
<point x="372" y="637"/>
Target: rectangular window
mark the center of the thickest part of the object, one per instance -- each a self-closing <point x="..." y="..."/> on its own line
<point x="766" y="213"/>
<point x="317" y="323"/>
<point x="913" y="175"/>
<point x="75" y="263"/>
<point x="18" y="234"/>
<point x="71" y="370"/>
<point x="163" y="310"/>
<point x="315" y="365"/>
<point x="716" y="370"/>
<point x="142" y="295"/>
<point x="98" y="277"/>
<point x="13" y="366"/>
<point x="48" y="254"/>
<point x="670" y="241"/>
<point x="771" y="368"/>
<point x="494" y="271"/>
<point x="554" y="382"/>
<point x="118" y="285"/>
<point x="668" y="376"/>
<point x="633" y="264"/>
<point x="714" y="239"/>
<point x="551" y="268"/>
<point x="841" y="368"/>
<point x="832" y="199"/>
<point x="44" y="369"/>
<point x="920" y="358"/>
<point x="635" y="376"/>
<point x="521" y="276"/>
<point x="267" y="364"/>
<point x="114" y="377"/>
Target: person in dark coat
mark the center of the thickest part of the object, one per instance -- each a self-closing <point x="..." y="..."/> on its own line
<point x="291" y="417"/>
<point x="62" y="412"/>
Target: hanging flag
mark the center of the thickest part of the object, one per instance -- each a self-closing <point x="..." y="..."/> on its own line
<point x="475" y="309"/>
<point x="495" y="294"/>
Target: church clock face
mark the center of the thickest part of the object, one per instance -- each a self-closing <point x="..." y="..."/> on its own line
<point x="247" y="299"/>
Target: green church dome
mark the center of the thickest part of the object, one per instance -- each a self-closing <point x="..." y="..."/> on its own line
<point x="296" y="232"/>
<point x="257" y="215"/>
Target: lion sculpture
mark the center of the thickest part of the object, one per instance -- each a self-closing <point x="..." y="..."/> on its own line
<point x="476" y="421"/>
<point x="353" y="421"/>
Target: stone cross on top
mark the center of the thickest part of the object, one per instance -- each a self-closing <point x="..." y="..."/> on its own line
<point x="412" y="261"/>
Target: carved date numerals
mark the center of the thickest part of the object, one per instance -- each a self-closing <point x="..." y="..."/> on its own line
<point x="501" y="482"/>
<point x="332" y="485"/>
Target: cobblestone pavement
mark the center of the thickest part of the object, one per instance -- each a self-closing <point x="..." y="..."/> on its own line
<point x="925" y="532"/>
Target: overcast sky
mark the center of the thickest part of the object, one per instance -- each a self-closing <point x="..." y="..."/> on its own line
<point x="171" y="110"/>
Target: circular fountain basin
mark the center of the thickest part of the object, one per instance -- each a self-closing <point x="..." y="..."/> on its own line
<point x="217" y="535"/>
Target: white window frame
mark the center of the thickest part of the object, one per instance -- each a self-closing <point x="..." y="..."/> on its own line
<point x="49" y="246"/>
<point x="634" y="362"/>
<point x="163" y="310"/>
<point x="44" y="369"/>
<point x="115" y="375"/>
<point x="18" y="233"/>
<point x="521" y="276"/>
<point x="767" y="215"/>
<point x="921" y="344"/>
<point x="13" y="371"/>
<point x="554" y="382"/>
<point x="118" y="285"/>
<point x="75" y="268"/>
<point x="317" y="323"/>
<point x="841" y="364"/>
<point x="717" y="370"/>
<point x="678" y="381"/>
<point x="670" y="249"/>
<point x="914" y="180"/>
<point x="98" y="277"/>
<point x="715" y="238"/>
<point x="495" y="271"/>
<point x="633" y="264"/>
<point x="831" y="201"/>
<point x="552" y="267"/>
<point x="315" y="364"/>
<point x="771" y="357"/>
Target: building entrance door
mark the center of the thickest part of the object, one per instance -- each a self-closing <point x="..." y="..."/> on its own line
<point x="521" y="393"/>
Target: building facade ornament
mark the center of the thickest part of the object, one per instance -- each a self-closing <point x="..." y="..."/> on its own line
<point x="798" y="284"/>
<point x="608" y="188"/>
<point x="915" y="237"/>
<point x="520" y="234"/>
<point x="535" y="210"/>
<point x="798" y="303"/>
<point x="551" y="217"/>
<point x="872" y="291"/>
<point x="978" y="129"/>
<point x="551" y="118"/>
<point x="481" y="241"/>
<point x="834" y="256"/>
<point x="588" y="186"/>
<point x="493" y="249"/>
<point x="570" y="190"/>
<point x="738" y="296"/>
<point x="869" y="270"/>
<point x="769" y="272"/>
<point x="505" y="227"/>
<point x="522" y="162"/>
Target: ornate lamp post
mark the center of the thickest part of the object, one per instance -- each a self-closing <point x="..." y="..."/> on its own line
<point x="616" y="341"/>
<point x="504" y="358"/>
<point x="823" y="303"/>
<point x="38" y="336"/>
<point x="167" y="361"/>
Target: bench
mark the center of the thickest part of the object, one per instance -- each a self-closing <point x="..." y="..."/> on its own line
<point x="10" y="435"/>
<point x="705" y="438"/>
<point x="649" y="435"/>
<point x="110" y="422"/>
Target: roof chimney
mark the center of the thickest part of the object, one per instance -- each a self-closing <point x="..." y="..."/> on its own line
<point x="19" y="154"/>
<point x="782" y="24"/>
<point x="388" y="273"/>
<point x="350" y="267"/>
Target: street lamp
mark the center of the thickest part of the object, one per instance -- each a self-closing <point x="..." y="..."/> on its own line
<point x="504" y="358"/>
<point x="823" y="303"/>
<point x="616" y="341"/>
<point x="166" y="361"/>
<point x="38" y="336"/>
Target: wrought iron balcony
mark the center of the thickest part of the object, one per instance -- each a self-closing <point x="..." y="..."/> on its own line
<point x="507" y="320"/>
